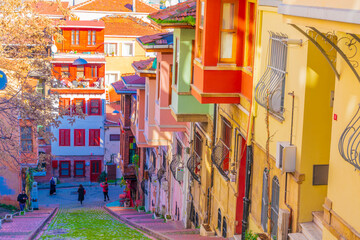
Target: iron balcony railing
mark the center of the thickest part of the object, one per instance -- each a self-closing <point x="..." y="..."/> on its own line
<point x="194" y="166"/>
<point x="161" y="173"/>
<point x="174" y="165"/>
<point x="270" y="89"/>
<point x="349" y="142"/>
<point x="144" y="186"/>
<point x="219" y="154"/>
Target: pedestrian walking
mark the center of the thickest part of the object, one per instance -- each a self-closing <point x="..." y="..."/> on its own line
<point x="22" y="197"/>
<point x="81" y="192"/>
<point x="105" y="187"/>
<point x="52" y="186"/>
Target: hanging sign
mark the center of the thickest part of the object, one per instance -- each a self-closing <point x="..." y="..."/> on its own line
<point x="3" y="80"/>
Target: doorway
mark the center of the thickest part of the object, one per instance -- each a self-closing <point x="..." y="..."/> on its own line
<point x="95" y="170"/>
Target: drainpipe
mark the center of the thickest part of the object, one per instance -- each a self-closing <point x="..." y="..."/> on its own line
<point x="134" y="6"/>
<point x="212" y="167"/>
<point x="249" y="161"/>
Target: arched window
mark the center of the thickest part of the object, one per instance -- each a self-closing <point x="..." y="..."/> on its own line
<point x="275" y="190"/>
<point x="219" y="219"/>
<point x="224" y="228"/>
<point x="264" y="201"/>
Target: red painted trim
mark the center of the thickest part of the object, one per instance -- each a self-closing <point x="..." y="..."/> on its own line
<point x="64" y="137"/>
<point x="74" y="104"/>
<point x="65" y="168"/>
<point x="78" y="161"/>
<point x="94" y="137"/>
<point x="100" y="103"/>
<point x="79" y="137"/>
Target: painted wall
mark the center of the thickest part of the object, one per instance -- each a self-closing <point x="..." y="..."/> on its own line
<point x="112" y="147"/>
<point x="9" y="186"/>
<point x="119" y="64"/>
<point x="90" y="122"/>
<point x="180" y="103"/>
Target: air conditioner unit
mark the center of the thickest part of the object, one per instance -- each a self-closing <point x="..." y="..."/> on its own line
<point x="285" y="156"/>
<point x="179" y="173"/>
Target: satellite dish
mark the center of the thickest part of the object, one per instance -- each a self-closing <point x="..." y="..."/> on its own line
<point x="3" y="80"/>
<point x="54" y="49"/>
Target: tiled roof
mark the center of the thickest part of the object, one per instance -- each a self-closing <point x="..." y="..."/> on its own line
<point x="120" y="88"/>
<point x="159" y="39"/>
<point x="110" y="115"/>
<point x="128" y="26"/>
<point x="114" y="6"/>
<point x="184" y="12"/>
<point x="144" y="65"/>
<point x="134" y="81"/>
<point x="49" y="8"/>
<point x="83" y="24"/>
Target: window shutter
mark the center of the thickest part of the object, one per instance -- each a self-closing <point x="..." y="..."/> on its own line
<point x="91" y="137"/>
<point x="61" y="137"/>
<point x="67" y="137"/>
<point x="82" y="137"/>
<point x="100" y="106"/>
<point x="97" y="137"/>
<point x="75" y="137"/>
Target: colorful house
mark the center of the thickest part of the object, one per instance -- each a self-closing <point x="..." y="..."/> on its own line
<point x="79" y="149"/>
<point x="120" y="46"/>
<point x="224" y="79"/>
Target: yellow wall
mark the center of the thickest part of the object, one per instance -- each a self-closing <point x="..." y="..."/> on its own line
<point x="343" y="4"/>
<point x="344" y="187"/>
<point x="123" y="64"/>
<point x="311" y="79"/>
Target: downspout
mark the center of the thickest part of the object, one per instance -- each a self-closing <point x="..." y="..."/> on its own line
<point x="212" y="167"/>
<point x="134" y="6"/>
<point x="249" y="161"/>
<point x="286" y="174"/>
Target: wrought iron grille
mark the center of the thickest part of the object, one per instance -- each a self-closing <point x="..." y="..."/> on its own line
<point x="193" y="165"/>
<point x="349" y="142"/>
<point x="219" y="153"/>
<point x="151" y="171"/>
<point x="175" y="163"/>
<point x="275" y="190"/>
<point x="272" y="83"/>
<point x="144" y="186"/>
<point x="160" y="173"/>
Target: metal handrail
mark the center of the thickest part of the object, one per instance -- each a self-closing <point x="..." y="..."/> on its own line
<point x="193" y="164"/>
<point x="219" y="153"/>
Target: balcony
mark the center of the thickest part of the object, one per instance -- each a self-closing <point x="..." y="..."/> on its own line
<point x="181" y="97"/>
<point x="194" y="166"/>
<point x="220" y="157"/>
<point x="79" y="83"/>
<point x="223" y="71"/>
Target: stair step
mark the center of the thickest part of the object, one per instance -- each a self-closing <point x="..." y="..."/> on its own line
<point x="318" y="219"/>
<point x="297" y="236"/>
<point x="311" y="231"/>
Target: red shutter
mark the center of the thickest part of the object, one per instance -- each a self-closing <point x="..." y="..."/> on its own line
<point x="91" y="137"/>
<point x="61" y="137"/>
<point x="76" y="137"/>
<point x="100" y="106"/>
<point x="97" y="137"/>
<point x="67" y="137"/>
<point x="82" y="137"/>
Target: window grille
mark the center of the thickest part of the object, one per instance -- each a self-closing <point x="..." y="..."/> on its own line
<point x="175" y="163"/>
<point x="144" y="187"/>
<point x="193" y="165"/>
<point x="219" y="219"/>
<point x="265" y="201"/>
<point x="275" y="190"/>
<point x="220" y="153"/>
<point x="272" y="83"/>
<point x="224" y="228"/>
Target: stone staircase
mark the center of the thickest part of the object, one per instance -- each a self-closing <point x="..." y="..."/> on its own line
<point x="310" y="230"/>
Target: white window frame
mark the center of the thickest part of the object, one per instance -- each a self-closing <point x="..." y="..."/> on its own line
<point x="113" y="72"/>
<point x="133" y="48"/>
<point x="117" y="53"/>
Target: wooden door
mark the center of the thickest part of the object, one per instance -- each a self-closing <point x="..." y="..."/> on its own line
<point x="95" y="170"/>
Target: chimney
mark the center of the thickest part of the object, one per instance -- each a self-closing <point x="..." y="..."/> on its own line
<point x="133" y="6"/>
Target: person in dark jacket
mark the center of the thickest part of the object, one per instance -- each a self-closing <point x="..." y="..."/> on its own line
<point x="52" y="186"/>
<point x="105" y="188"/>
<point x="81" y="192"/>
<point x="22" y="197"/>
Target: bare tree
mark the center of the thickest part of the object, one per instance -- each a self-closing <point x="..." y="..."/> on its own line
<point x="25" y="41"/>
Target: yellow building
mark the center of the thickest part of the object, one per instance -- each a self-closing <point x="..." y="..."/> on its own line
<point x="312" y="94"/>
<point x="120" y="45"/>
